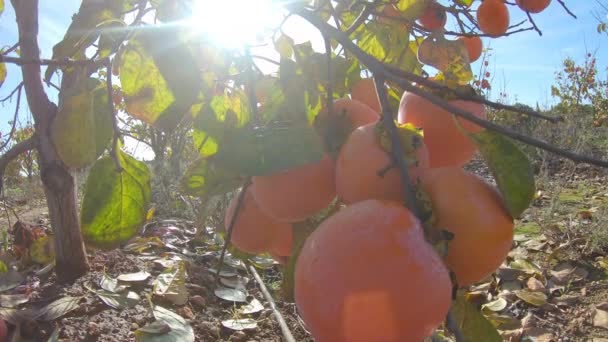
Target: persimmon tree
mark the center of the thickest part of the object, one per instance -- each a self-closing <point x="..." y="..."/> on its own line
<point x="278" y="136"/>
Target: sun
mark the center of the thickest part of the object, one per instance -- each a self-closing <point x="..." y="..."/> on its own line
<point x="234" y="23"/>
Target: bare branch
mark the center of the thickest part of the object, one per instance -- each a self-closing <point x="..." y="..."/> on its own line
<point x="4" y="99"/>
<point x="42" y="61"/>
<point x="11" y="49"/>
<point x="27" y="22"/>
<point x="540" y="33"/>
<point x="21" y="147"/>
<point x="14" y="127"/>
<point x="277" y="314"/>
<point x="380" y="69"/>
<point x="397" y="152"/>
<point x="561" y="2"/>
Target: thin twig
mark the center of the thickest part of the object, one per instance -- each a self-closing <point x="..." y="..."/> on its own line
<point x="116" y="136"/>
<point x="287" y="335"/>
<point x="540" y="33"/>
<point x="567" y="9"/>
<point x="397" y="152"/>
<point x="4" y="99"/>
<point x="228" y="236"/>
<point x="25" y="145"/>
<point x="380" y="69"/>
<point x="11" y="49"/>
<point x="14" y="127"/>
<point x="42" y="61"/>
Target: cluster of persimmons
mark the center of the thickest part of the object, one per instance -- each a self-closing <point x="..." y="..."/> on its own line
<point x="370" y="271"/>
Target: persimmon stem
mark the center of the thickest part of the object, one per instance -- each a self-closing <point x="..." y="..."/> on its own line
<point x="228" y="237"/>
<point x="397" y="152"/>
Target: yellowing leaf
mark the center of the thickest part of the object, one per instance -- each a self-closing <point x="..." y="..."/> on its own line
<point x="171" y="284"/>
<point x="448" y="56"/>
<point x="115" y="203"/>
<point x="2" y="72"/>
<point x="42" y="250"/>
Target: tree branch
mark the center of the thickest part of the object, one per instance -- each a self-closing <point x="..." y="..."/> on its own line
<point x="14" y="127"/>
<point x="116" y="135"/>
<point x="23" y="146"/>
<point x="26" y="14"/>
<point x="380" y="69"/>
<point x="42" y="61"/>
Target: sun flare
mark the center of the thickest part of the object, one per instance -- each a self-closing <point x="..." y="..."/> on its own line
<point x="234" y="23"/>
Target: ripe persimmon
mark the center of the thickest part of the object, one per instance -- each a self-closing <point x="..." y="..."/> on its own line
<point x="365" y="92"/>
<point x="533" y="6"/>
<point x="295" y="194"/>
<point x="493" y="17"/>
<point x="253" y="232"/>
<point x="367" y="274"/>
<point x="473" y="211"/>
<point x="446" y="144"/>
<point x="348" y="114"/>
<point x="474" y="47"/>
<point x="434" y="17"/>
<point x="363" y="168"/>
<point x="282" y="242"/>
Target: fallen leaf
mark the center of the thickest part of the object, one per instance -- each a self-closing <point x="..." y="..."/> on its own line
<point x="180" y="330"/>
<point x="56" y="309"/>
<point x="537" y="335"/>
<point x="134" y="277"/>
<point x="171" y="284"/>
<point x="535" y="285"/>
<point x="232" y="295"/>
<point x="565" y="273"/>
<point x="526" y="266"/>
<point x="253" y="307"/>
<point x="12" y="300"/>
<point x="110" y="284"/>
<point x="240" y="324"/>
<point x="122" y="300"/>
<point x="227" y="273"/>
<point x="496" y="305"/>
<point x="154" y="328"/>
<point x="600" y="318"/>
<point x="238" y="282"/>
<point x="10" y="280"/>
<point x="531" y="297"/>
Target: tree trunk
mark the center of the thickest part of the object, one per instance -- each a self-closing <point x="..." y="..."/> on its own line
<point x="59" y="185"/>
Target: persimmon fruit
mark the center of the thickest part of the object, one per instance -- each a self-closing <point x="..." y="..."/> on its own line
<point x="473" y="211"/>
<point x="367" y="274"/>
<point x="533" y="6"/>
<point x="434" y="17"/>
<point x="365" y="91"/>
<point x="296" y="194"/>
<point x="363" y="168"/>
<point x="474" y="47"/>
<point x="493" y="17"/>
<point x="253" y="232"/>
<point x="447" y="145"/>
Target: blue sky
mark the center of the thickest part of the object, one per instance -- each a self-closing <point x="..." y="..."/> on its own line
<point x="523" y="64"/>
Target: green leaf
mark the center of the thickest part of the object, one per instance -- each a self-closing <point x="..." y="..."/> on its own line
<point x="284" y="46"/>
<point x="180" y="330"/>
<point x="511" y="169"/>
<point x="102" y="116"/>
<point x="81" y="33"/>
<point x="265" y="150"/>
<point x="115" y="203"/>
<point x="2" y="72"/>
<point x="206" y="178"/>
<point x="73" y="130"/>
<point x="1" y="6"/>
<point x="474" y="326"/>
<point x="161" y="82"/>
